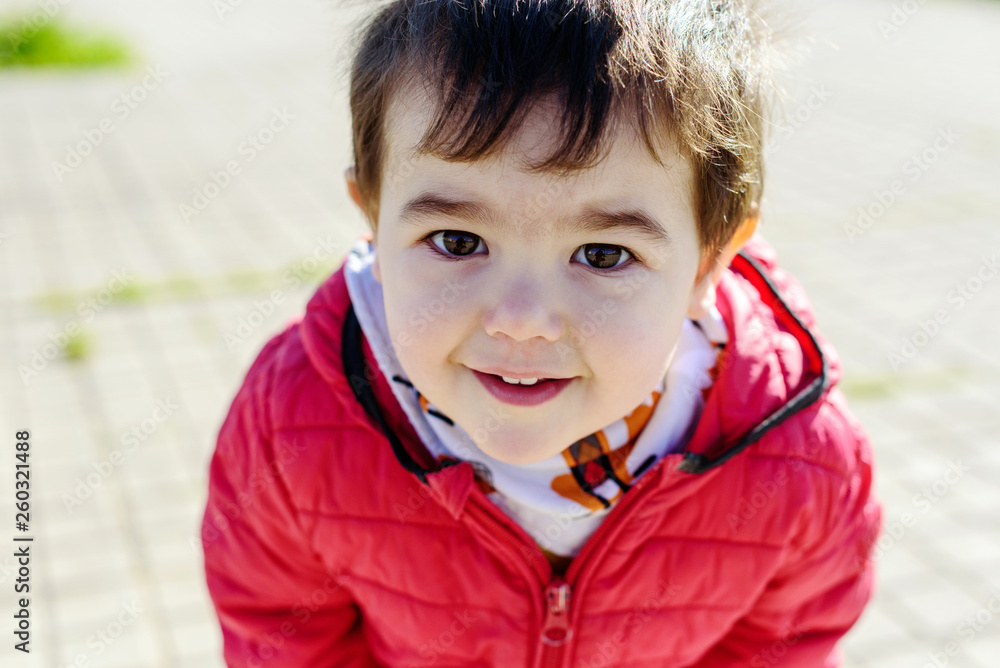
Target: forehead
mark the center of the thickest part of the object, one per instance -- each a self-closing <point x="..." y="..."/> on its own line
<point x="628" y="178"/>
<point x="414" y="107"/>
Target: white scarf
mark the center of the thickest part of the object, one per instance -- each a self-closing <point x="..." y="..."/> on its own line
<point x="559" y="521"/>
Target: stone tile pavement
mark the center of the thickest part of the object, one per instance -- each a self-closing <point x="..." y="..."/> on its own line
<point x="881" y="199"/>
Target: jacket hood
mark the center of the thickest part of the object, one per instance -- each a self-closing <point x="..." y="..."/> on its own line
<point x="773" y="365"/>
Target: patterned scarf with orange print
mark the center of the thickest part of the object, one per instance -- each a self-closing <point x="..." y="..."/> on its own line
<point x="559" y="501"/>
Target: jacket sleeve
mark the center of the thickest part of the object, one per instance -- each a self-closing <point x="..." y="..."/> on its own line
<point x="277" y="604"/>
<point x="819" y="591"/>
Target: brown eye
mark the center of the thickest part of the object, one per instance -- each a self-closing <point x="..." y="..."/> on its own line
<point x="601" y="256"/>
<point x="458" y="243"/>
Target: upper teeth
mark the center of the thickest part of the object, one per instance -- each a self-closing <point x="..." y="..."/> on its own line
<point x="522" y="381"/>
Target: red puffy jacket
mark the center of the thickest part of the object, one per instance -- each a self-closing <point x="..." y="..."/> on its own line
<point x="331" y="538"/>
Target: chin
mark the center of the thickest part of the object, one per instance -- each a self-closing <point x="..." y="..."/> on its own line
<point x="515" y="460"/>
<point x="512" y="453"/>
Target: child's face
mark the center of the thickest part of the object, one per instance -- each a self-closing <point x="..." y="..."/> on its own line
<point x="526" y="294"/>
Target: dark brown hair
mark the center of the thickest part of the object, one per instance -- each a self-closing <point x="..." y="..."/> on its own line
<point x="697" y="71"/>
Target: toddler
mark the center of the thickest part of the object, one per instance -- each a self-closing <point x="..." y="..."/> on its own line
<point x="560" y="406"/>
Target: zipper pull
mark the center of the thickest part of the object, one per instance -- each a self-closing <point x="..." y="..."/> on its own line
<point x="556" y="630"/>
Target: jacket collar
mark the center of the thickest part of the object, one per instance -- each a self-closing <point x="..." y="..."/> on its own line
<point x="773" y="367"/>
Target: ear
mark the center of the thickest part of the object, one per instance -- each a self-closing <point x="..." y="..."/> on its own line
<point x="710" y="271"/>
<point x="352" y="189"/>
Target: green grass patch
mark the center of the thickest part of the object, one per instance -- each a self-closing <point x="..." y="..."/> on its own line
<point x="247" y="281"/>
<point x="78" y="347"/>
<point x="134" y="292"/>
<point x="865" y="387"/>
<point x="186" y="287"/>
<point x="57" y="301"/>
<point x="40" y="40"/>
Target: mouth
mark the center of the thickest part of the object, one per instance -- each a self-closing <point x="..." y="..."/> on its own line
<point x="531" y="393"/>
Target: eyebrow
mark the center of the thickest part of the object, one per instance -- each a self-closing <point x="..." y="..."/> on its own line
<point x="427" y="204"/>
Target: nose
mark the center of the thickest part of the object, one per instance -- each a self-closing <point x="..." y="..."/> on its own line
<point x="524" y="309"/>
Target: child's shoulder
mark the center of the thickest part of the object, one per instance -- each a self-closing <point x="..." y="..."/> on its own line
<point x="296" y="421"/>
<point x="785" y="432"/>
<point x="779" y="357"/>
<point x="300" y="369"/>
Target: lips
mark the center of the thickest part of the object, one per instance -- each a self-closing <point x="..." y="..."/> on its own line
<point x="522" y="395"/>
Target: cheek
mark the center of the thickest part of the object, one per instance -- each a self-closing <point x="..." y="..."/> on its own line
<point x="421" y="289"/>
<point x="423" y="321"/>
<point x="630" y="348"/>
<point x="414" y="334"/>
<point x="638" y="334"/>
